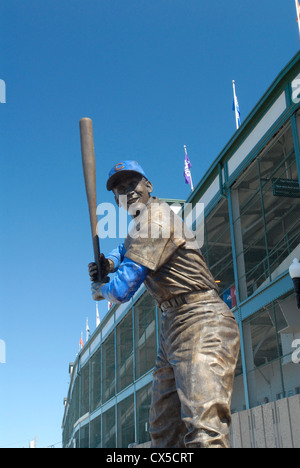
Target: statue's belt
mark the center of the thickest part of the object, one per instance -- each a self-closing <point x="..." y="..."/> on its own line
<point x="182" y="299"/>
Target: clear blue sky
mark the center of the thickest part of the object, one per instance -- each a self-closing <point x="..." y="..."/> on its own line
<point x="154" y="75"/>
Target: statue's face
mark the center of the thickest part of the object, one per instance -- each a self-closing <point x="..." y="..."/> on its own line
<point x="132" y="188"/>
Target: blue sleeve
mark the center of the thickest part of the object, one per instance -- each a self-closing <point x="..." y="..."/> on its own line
<point x="126" y="282"/>
<point x="117" y="256"/>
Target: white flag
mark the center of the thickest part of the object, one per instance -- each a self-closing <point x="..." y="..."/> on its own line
<point x="97" y="315"/>
<point x="87" y="329"/>
<point x="32" y="443"/>
<point x="298" y="13"/>
<point x="2" y="352"/>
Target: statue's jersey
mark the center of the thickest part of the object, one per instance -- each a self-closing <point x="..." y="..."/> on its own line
<point x="161" y="242"/>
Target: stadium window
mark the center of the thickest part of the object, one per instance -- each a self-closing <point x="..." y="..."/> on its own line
<point x="84" y="437"/>
<point x="96" y="380"/>
<point x="125" y="425"/>
<point x="145" y="335"/>
<point x="266" y="213"/>
<point x="143" y="402"/>
<point x="109" y="429"/>
<point x="108" y="367"/>
<point x="125" y="352"/>
<point x="95" y="433"/>
<point x="84" y="400"/>
<point x="217" y="250"/>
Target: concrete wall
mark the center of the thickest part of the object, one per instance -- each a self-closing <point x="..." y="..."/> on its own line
<point x="273" y="425"/>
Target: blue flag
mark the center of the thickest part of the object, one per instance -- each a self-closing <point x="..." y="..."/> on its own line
<point x="236" y="108"/>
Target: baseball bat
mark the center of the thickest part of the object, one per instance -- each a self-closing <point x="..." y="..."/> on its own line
<point x="89" y="172"/>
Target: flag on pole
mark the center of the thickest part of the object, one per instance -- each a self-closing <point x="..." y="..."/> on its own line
<point x="236" y="107"/>
<point x="80" y="342"/>
<point x="187" y="172"/>
<point x="298" y="14"/>
<point x="87" y="330"/>
<point x="32" y="443"/>
<point x="97" y="315"/>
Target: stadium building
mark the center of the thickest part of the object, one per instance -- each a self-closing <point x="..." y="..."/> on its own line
<point x="251" y="222"/>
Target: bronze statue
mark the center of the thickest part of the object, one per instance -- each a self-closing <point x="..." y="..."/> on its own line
<point x="199" y="342"/>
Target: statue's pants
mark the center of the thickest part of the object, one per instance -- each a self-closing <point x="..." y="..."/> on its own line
<point x="194" y="373"/>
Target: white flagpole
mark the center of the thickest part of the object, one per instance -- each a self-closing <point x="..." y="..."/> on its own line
<point x="192" y="187"/>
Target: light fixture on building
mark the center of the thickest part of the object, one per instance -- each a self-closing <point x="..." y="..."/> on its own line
<point x="294" y="271"/>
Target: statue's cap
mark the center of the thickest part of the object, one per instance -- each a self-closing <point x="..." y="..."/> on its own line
<point x="123" y="166"/>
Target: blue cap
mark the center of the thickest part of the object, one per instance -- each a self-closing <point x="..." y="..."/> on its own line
<point x="123" y="166"/>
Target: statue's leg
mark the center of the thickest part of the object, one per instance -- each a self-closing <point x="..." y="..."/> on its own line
<point x="202" y="348"/>
<point x="167" y="429"/>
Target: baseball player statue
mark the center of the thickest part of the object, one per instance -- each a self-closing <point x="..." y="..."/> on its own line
<point x="199" y="342"/>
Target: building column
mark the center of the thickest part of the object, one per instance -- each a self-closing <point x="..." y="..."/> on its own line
<point x="239" y="248"/>
<point x="250" y="366"/>
<point x="295" y="120"/>
<point x="242" y="294"/>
